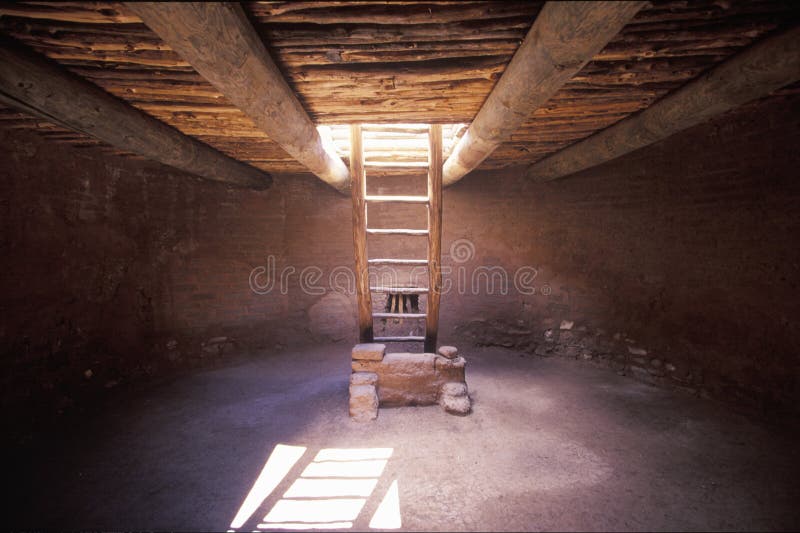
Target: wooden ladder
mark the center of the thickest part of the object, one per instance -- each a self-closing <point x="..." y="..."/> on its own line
<point x="433" y="201"/>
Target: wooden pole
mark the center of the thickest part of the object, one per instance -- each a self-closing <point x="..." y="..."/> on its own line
<point x="217" y="39"/>
<point x="564" y="37"/>
<point x="434" y="236"/>
<point x="770" y="64"/>
<point x="358" y="193"/>
<point x="34" y="84"/>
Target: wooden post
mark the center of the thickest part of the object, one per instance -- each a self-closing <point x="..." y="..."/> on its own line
<point x="34" y="84"/>
<point x="358" y="190"/>
<point x="434" y="235"/>
<point x="768" y="65"/>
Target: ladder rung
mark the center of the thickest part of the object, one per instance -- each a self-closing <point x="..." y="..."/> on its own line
<point x="400" y="290"/>
<point x="396" y="164"/>
<point x="399" y="339"/>
<point x="402" y="199"/>
<point x="373" y="231"/>
<point x="417" y="129"/>
<point x="398" y="315"/>
<point x="398" y="262"/>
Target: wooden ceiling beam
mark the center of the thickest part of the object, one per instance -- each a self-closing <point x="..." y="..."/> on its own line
<point x="217" y="39"/>
<point x="563" y="38"/>
<point x="766" y="66"/>
<point x="32" y="83"/>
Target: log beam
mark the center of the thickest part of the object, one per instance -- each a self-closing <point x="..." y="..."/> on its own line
<point x="563" y="38"/>
<point x="34" y="84"/>
<point x="217" y="39"/>
<point x="768" y="65"/>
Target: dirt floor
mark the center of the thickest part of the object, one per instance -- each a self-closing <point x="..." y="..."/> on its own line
<point x="550" y="445"/>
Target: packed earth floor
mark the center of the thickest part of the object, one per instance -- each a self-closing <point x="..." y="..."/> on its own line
<point x="550" y="445"/>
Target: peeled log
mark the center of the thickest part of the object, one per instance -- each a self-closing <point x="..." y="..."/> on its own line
<point x="41" y="87"/>
<point x="564" y="37"/>
<point x="766" y="66"/>
<point x="220" y="43"/>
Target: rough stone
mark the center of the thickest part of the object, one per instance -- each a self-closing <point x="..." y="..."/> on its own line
<point x="640" y="373"/>
<point x="454" y="388"/>
<point x="369" y="352"/>
<point x="566" y="324"/>
<point x="455" y="405"/>
<point x="543" y="350"/>
<point x="363" y="403"/>
<point x="448" y="351"/>
<point x="572" y="351"/>
<point x="636" y="351"/>
<point x="217" y="346"/>
<point x="364" y="378"/>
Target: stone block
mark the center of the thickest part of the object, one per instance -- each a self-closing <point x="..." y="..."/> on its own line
<point x="409" y="363"/>
<point x="408" y="379"/>
<point x="363" y="403"/>
<point x="448" y="351"/>
<point x="364" y="378"/>
<point x="369" y="352"/>
<point x="365" y="366"/>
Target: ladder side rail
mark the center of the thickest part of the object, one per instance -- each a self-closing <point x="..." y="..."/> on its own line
<point x="435" y="165"/>
<point x="358" y="193"/>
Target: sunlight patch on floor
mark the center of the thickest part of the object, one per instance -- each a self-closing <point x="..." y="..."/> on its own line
<point x="330" y="493"/>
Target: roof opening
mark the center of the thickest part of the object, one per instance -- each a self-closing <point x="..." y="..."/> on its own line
<point x="402" y="145"/>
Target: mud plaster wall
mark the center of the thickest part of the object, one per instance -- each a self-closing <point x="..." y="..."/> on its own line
<point x="675" y="264"/>
<point x="118" y="271"/>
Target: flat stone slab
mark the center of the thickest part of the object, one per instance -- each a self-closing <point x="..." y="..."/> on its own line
<point x="369" y="352"/>
<point x="364" y="378"/>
